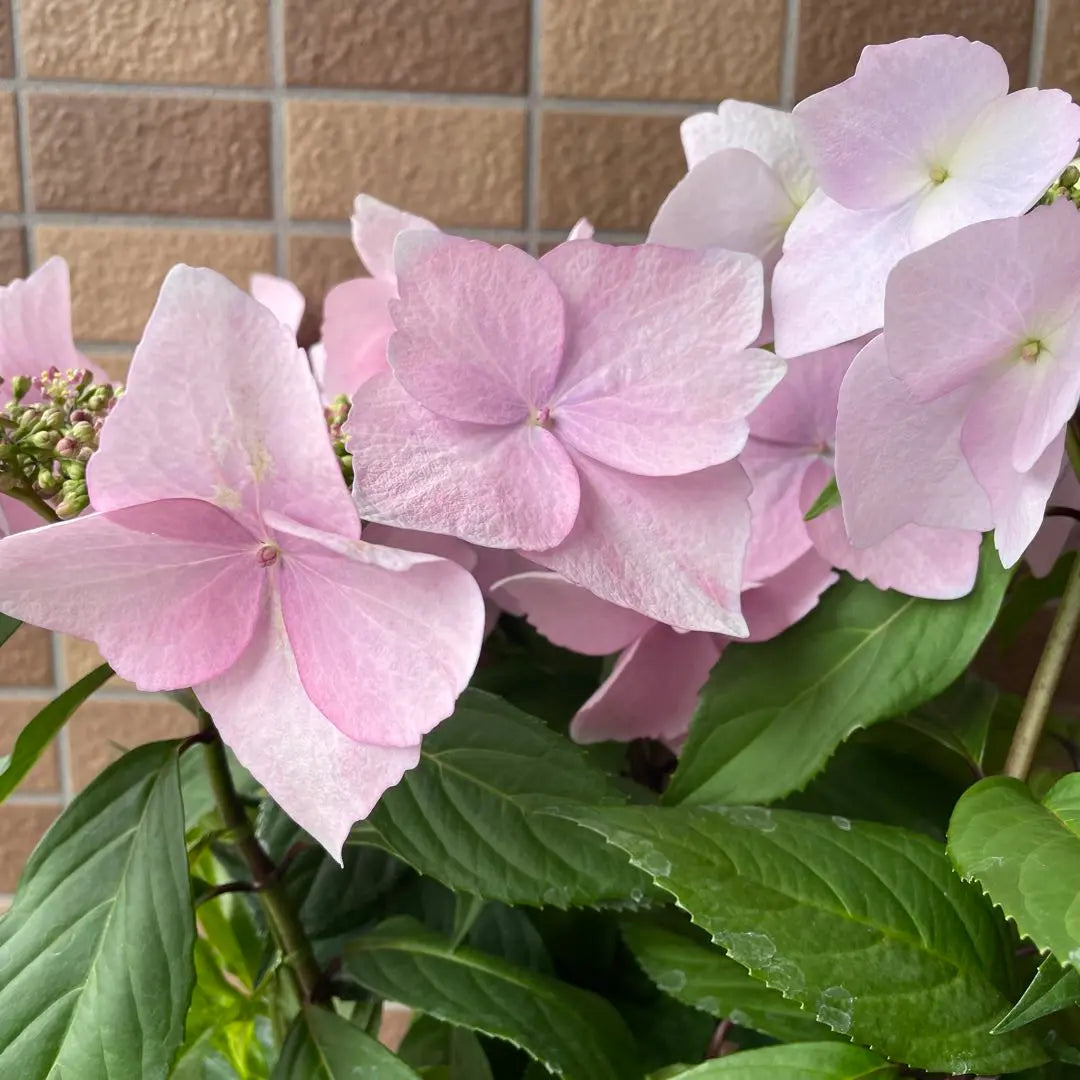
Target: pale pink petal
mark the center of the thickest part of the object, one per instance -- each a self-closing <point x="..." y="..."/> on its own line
<point x="786" y="597"/>
<point x="777" y="534"/>
<point x="768" y="133"/>
<point x="1053" y="393"/>
<point x="582" y="230"/>
<point x="375" y="227"/>
<point x="281" y="296"/>
<point x="938" y="564"/>
<point x="426" y="543"/>
<point x="356" y="327"/>
<point x="901" y="461"/>
<point x="495" y="564"/>
<point x="1006" y="160"/>
<point x="384" y="640"/>
<point x="1017" y="499"/>
<point x="320" y="777"/>
<point x="168" y="591"/>
<point x="731" y="200"/>
<point x="479" y="329"/>
<point x="977" y="296"/>
<point x="652" y="691"/>
<point x="220" y="406"/>
<point x="570" y="616"/>
<point x="874" y="139"/>
<point x="669" y="547"/>
<point x="17" y="517"/>
<point x="829" y="286"/>
<point x="1060" y="533"/>
<point x="35" y="323"/>
<point x="494" y="486"/>
<point x="654" y="381"/>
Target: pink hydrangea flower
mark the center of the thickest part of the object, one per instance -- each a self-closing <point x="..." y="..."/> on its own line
<point x="956" y="416"/>
<point x="35" y="334"/>
<point x="584" y="407"/>
<point x="225" y="554"/>
<point x="922" y="140"/>
<point x="747" y="179"/>
<point x="652" y="690"/>
<point x="281" y="296"/>
<point x="1059" y="533"/>
<point x="789" y="458"/>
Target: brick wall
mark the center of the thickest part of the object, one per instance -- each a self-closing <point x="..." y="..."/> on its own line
<point x="234" y="133"/>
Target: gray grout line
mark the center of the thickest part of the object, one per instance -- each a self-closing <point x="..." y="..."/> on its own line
<point x="533" y="131"/>
<point x="789" y="55"/>
<point x="1039" y="21"/>
<point x="33" y="798"/>
<point x="22" y="109"/>
<point x="353" y="94"/>
<point x="278" y="178"/>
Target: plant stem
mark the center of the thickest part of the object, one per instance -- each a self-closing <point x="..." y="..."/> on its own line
<point x="1047" y="676"/>
<point x="36" y="503"/>
<point x="279" y="909"/>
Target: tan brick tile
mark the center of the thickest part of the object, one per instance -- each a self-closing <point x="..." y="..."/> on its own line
<point x="44" y="777"/>
<point x="21" y="827"/>
<point x="10" y="185"/>
<point x="26" y="658"/>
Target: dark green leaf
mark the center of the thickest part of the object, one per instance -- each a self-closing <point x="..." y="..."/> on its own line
<point x="323" y="1046"/>
<point x="773" y="713"/>
<point x="96" y="949"/>
<point x="431" y="1044"/>
<point x="1053" y="988"/>
<point x="829" y="497"/>
<point x="42" y="729"/>
<point x="8" y="626"/>
<point x="1026" y="856"/>
<point x="683" y="962"/>
<point x="468" y="815"/>
<point x="864" y="924"/>
<point x="573" y="1032"/>
<point x="800" y="1061"/>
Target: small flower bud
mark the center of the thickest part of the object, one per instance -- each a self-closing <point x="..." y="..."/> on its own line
<point x="80" y="415"/>
<point x="20" y="387"/>
<point x="1069" y="177"/>
<point x="66" y="447"/>
<point x="83" y="432"/>
<point x="84" y="454"/>
<point x="73" y="470"/>
<point x="73" y="505"/>
<point x="47" y="483"/>
<point x="52" y="418"/>
<point x="99" y="398"/>
<point x="44" y="440"/>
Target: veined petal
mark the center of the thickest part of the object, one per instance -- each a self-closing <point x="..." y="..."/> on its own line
<point x="355" y="331"/>
<point x="168" y="591"/>
<point x="281" y="296"/>
<point x="321" y="778"/>
<point x="494" y="486"/>
<point x="375" y="227"/>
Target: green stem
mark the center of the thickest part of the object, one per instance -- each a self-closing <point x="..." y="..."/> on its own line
<point x="279" y="909"/>
<point x="1040" y="694"/>
<point x="36" y="503"/>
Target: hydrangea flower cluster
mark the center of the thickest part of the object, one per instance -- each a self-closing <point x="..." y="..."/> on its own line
<point x="621" y="443"/>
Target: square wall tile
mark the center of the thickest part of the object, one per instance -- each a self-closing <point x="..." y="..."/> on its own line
<point x="457" y="165"/>
<point x="79" y="658"/>
<point x="148" y="154"/>
<point x="116" y="272"/>
<point x="103" y="730"/>
<point x="44" y="777"/>
<point x="26" y="658"/>
<point x="21" y="827"/>
<point x="832" y="33"/>
<point x="1061" y="61"/>
<point x="10" y="184"/>
<point x="701" y="51"/>
<point x="154" y="41"/>
<point x="7" y="66"/>
<point x="613" y="169"/>
<point x="457" y="46"/>
<point x="318" y="263"/>
<point x="12" y="254"/>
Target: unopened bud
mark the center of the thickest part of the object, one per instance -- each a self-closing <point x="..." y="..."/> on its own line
<point x="47" y="483"/>
<point x="44" y="440"/>
<point x="72" y="506"/>
<point x="73" y="470"/>
<point x="79" y="415"/>
<point x="52" y="418"/>
<point x="1069" y="177"/>
<point x="20" y="387"/>
<point x="66" y="447"/>
<point x="84" y="454"/>
<point x="99" y="398"/>
<point x="83" y="432"/>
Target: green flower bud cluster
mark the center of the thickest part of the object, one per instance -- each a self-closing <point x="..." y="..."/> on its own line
<point x="49" y="430"/>
<point x="1067" y="185"/>
<point x="337" y="412"/>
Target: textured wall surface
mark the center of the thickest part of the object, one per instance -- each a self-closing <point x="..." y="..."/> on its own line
<point x="135" y="134"/>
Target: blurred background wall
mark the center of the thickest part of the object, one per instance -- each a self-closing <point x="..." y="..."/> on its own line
<point x="135" y="134"/>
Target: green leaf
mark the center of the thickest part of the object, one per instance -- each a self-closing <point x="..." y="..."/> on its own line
<point x="773" y="713"/>
<point x="430" y="1044"/>
<point x="1053" y="988"/>
<point x="96" y="951"/>
<point x="829" y="497"/>
<point x="324" y="1046"/>
<point x="42" y="729"/>
<point x="864" y="924"/>
<point x="8" y="626"/>
<point x="800" y="1061"/>
<point x="572" y="1032"/>
<point x="687" y="965"/>
<point x="468" y="815"/>
<point x="1026" y="856"/>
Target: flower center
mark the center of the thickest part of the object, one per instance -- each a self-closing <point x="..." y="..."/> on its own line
<point x="1030" y="350"/>
<point x="268" y="554"/>
<point x="939" y="174"/>
<point x="542" y="418"/>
